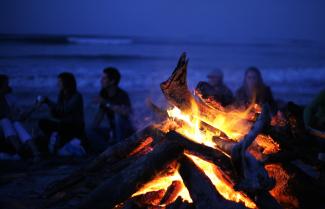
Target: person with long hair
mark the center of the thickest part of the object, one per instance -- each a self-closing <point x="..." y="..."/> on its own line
<point x="115" y="104"/>
<point x="254" y="90"/>
<point x="67" y="121"/>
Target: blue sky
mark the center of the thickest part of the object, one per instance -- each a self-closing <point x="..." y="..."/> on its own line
<point x="238" y="20"/>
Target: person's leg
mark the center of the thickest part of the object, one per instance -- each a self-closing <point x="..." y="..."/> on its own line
<point x="50" y="130"/>
<point x="10" y="134"/>
<point x="68" y="131"/>
<point x="26" y="139"/>
<point x="48" y="126"/>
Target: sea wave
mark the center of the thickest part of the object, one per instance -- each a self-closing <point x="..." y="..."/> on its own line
<point x="99" y="40"/>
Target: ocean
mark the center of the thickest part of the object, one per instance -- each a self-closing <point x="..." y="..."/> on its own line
<point x="294" y="69"/>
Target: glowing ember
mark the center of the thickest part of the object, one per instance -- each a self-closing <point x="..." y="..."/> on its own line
<point x="163" y="182"/>
<point x="224" y="187"/>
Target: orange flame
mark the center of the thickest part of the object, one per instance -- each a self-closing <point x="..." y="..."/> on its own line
<point x="222" y="186"/>
<point x="232" y="124"/>
<point x="163" y="182"/>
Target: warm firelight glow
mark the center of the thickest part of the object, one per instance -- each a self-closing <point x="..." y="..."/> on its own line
<point x="224" y="187"/>
<point x="162" y="182"/>
<point x="232" y="124"/>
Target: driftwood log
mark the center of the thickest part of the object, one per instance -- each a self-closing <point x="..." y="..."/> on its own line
<point x="210" y="154"/>
<point x="107" y="160"/>
<point x="253" y="179"/>
<point x="122" y="185"/>
<point x="202" y="191"/>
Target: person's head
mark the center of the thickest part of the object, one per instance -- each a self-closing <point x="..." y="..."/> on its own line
<point x="67" y="83"/>
<point x="253" y="78"/>
<point x="4" y="84"/>
<point x="215" y="77"/>
<point x="110" y="77"/>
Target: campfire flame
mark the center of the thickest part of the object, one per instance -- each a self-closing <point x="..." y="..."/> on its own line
<point x="232" y="124"/>
<point x="163" y="182"/>
<point x="224" y="187"/>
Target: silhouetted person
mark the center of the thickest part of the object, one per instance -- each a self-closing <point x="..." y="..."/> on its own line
<point x="254" y="90"/>
<point x="67" y="121"/>
<point x="14" y="133"/>
<point x="115" y="105"/>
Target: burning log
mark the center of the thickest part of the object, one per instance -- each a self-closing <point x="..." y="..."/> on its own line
<point x="150" y="198"/>
<point x="208" y="153"/>
<point x="202" y="191"/>
<point x="204" y="91"/>
<point x="253" y="176"/>
<point x="172" y="192"/>
<point x="107" y="195"/>
<point x="129" y="147"/>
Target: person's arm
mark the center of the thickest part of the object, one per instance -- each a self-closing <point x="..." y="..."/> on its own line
<point x="98" y="118"/>
<point x="51" y="104"/>
<point x="120" y="109"/>
<point x="124" y="108"/>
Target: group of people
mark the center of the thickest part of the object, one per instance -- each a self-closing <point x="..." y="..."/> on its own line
<point x="64" y="131"/>
<point x="66" y="126"/>
<point x="253" y="90"/>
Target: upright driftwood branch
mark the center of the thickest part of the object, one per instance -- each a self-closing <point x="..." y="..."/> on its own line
<point x="177" y="93"/>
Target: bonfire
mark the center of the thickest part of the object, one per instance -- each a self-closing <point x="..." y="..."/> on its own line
<point x="200" y="155"/>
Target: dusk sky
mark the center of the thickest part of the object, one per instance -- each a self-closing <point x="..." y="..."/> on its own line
<point x="236" y="20"/>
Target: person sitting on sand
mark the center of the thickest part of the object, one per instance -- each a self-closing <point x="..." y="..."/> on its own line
<point x="67" y="114"/>
<point x="314" y="116"/>
<point x="115" y="104"/>
<point x="254" y="90"/>
<point x="16" y="137"/>
<point x="215" y="88"/>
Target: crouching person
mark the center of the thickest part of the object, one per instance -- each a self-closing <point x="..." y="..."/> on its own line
<point x="65" y="127"/>
<point x="16" y="140"/>
<point x="115" y="105"/>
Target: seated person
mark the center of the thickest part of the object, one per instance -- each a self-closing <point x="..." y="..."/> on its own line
<point x="254" y="90"/>
<point x="15" y="136"/>
<point x="115" y="105"/>
<point x="314" y="116"/>
<point x="67" y="121"/>
<point x="215" y="88"/>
